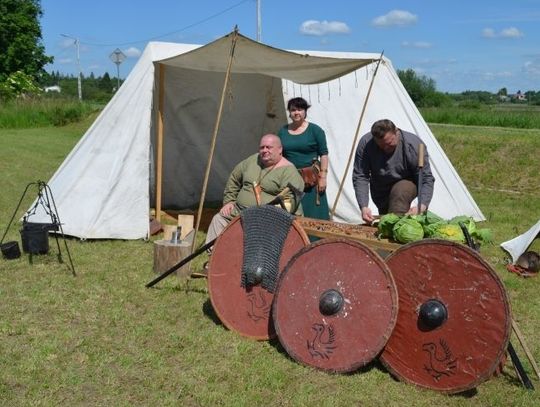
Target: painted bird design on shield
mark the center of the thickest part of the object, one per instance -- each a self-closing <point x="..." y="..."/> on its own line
<point x="441" y="362"/>
<point x="322" y="345"/>
<point x="259" y="308"/>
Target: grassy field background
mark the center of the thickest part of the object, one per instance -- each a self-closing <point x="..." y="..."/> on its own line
<point x="102" y="338"/>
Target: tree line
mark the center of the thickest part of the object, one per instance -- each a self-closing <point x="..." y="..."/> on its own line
<point x="23" y="61"/>
<point x="423" y="92"/>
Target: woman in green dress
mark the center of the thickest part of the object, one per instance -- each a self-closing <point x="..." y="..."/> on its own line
<point x="303" y="142"/>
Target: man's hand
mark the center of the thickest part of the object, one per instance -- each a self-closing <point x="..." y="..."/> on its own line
<point x="414" y="210"/>
<point x="367" y="216"/>
<point x="227" y="209"/>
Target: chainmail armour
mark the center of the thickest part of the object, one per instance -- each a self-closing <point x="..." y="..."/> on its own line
<point x="265" y="230"/>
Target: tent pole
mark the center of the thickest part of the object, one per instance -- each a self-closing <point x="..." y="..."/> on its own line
<point x="159" y="141"/>
<point x="340" y="189"/>
<point x="214" y="137"/>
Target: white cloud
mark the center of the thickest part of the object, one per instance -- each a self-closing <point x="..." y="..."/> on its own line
<point x="132" y="52"/>
<point x="488" y="33"/>
<point x="496" y="75"/>
<point x="318" y="28"/>
<point x="511" y="32"/>
<point x="532" y="68"/>
<point x="399" y="18"/>
<point x="417" y="44"/>
<point x="65" y="61"/>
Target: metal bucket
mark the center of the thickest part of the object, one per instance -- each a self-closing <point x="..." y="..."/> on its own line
<point x="10" y="250"/>
<point x="35" y="237"/>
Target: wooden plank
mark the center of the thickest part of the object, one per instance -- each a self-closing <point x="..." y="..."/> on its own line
<point x="361" y="233"/>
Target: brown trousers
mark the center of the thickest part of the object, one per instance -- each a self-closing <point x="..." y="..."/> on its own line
<point x="400" y="198"/>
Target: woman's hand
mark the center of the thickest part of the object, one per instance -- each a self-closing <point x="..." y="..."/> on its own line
<point x="321" y="185"/>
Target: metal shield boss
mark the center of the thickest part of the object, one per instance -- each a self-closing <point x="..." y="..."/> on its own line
<point x="335" y="305"/>
<point x="453" y="324"/>
<point x="245" y="310"/>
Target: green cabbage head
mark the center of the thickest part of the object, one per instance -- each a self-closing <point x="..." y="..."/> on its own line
<point x="449" y="232"/>
<point x="386" y="224"/>
<point x="408" y="230"/>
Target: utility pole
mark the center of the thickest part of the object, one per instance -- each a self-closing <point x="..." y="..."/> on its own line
<point x="79" y="76"/>
<point x="258" y="20"/>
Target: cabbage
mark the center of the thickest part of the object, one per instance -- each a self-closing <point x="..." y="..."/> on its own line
<point x="449" y="232"/>
<point x="431" y="218"/>
<point x="407" y="230"/>
<point x="430" y="229"/>
<point x="386" y="223"/>
<point x="466" y="220"/>
<point x="484" y="235"/>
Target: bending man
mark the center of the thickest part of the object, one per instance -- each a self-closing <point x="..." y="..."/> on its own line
<point x="386" y="164"/>
<point x="256" y="181"/>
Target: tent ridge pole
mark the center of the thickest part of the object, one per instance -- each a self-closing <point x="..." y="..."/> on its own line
<point x="214" y="136"/>
<point x="351" y="153"/>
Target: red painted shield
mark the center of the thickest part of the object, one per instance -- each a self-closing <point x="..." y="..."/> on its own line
<point x="244" y="310"/>
<point x="454" y="318"/>
<point x="335" y="305"/>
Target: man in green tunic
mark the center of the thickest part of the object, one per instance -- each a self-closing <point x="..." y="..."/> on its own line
<point x="257" y="180"/>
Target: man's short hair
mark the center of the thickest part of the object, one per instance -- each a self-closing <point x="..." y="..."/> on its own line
<point x="381" y="127"/>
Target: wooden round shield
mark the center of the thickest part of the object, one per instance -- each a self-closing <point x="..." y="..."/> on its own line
<point x="335" y="305"/>
<point x="240" y="309"/>
<point x="453" y="323"/>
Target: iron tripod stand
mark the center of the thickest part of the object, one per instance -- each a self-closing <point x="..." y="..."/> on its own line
<point x="35" y="235"/>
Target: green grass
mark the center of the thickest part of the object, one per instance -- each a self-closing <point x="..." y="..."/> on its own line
<point x="102" y="338"/>
<point x="500" y="115"/>
<point x="44" y="111"/>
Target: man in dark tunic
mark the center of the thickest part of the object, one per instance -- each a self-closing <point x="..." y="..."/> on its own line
<point x="386" y="164"/>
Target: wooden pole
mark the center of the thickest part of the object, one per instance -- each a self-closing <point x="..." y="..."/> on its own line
<point x="214" y="137"/>
<point x="521" y="339"/>
<point x="159" y="141"/>
<point x="340" y="189"/>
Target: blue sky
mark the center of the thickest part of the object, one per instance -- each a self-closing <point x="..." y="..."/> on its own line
<point x="462" y="45"/>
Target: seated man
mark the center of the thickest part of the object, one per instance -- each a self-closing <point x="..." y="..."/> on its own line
<point x="386" y="163"/>
<point x="256" y="181"/>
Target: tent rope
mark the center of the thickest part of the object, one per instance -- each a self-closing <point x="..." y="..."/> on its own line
<point x="340" y="189"/>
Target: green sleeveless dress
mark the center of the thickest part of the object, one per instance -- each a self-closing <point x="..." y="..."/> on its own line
<point x="301" y="149"/>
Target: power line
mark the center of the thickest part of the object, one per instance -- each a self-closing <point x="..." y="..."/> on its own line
<point x="172" y="32"/>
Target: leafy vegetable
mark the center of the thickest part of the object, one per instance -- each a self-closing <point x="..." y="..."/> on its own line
<point x="467" y="221"/>
<point x="449" y="232"/>
<point x="484" y="235"/>
<point x="386" y="224"/>
<point x="408" y="230"/>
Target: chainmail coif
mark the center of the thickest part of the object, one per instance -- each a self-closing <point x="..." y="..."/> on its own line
<point x="265" y="230"/>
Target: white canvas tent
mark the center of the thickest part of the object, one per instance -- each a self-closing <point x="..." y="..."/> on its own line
<point x="519" y="244"/>
<point x="107" y="184"/>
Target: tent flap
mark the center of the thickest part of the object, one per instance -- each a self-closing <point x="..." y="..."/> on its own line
<point x="256" y="58"/>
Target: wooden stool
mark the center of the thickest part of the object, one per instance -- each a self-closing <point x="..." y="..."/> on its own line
<point x="167" y="254"/>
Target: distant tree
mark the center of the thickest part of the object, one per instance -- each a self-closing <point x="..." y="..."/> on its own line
<point x="105" y="83"/>
<point x="502" y="92"/>
<point x="422" y="90"/>
<point x="20" y="39"/>
<point x="478" y="96"/>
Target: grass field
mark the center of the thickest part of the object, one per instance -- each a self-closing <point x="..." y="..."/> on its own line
<point x="102" y="338"/>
